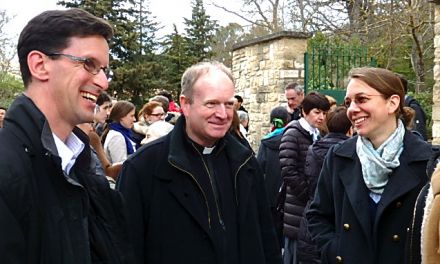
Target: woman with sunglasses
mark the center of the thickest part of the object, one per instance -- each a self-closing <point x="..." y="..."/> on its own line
<point x="366" y="191"/>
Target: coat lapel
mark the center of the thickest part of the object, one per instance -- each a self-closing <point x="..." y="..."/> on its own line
<point x="351" y="177"/>
<point x="183" y="191"/>
<point x="401" y="181"/>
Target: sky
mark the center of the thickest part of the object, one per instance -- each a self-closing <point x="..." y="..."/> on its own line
<point x="167" y="12"/>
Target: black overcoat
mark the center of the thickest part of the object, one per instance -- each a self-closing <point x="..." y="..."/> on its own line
<point x="168" y="209"/>
<point x="45" y="216"/>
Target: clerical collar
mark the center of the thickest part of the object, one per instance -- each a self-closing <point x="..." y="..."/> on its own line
<point x="207" y="151"/>
<point x="202" y="149"/>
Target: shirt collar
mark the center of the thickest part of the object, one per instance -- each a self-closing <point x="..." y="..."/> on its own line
<point x="68" y="151"/>
<point x="314" y="132"/>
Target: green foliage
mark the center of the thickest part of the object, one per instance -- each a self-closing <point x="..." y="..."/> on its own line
<point x="10" y="87"/>
<point x="175" y="60"/>
<point x="330" y="58"/>
<point x="133" y="59"/>
<point x="225" y="38"/>
<point x="200" y="31"/>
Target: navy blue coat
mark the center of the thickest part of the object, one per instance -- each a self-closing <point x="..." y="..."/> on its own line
<point x="339" y="219"/>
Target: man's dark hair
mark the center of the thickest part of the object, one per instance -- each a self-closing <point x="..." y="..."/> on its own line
<point x="102" y="98"/>
<point x="337" y="120"/>
<point x="163" y="100"/>
<point x="50" y="32"/>
<point x="315" y="100"/>
<point x="3" y="108"/>
<point x="239" y="98"/>
<point x="167" y="95"/>
<point x="280" y="112"/>
<point x="291" y="85"/>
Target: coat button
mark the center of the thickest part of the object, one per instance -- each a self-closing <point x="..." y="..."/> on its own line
<point x="339" y="259"/>
<point x="398" y="204"/>
<point x="396" y="238"/>
<point x="346" y="227"/>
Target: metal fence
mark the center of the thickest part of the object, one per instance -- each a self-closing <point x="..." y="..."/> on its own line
<point x="327" y="66"/>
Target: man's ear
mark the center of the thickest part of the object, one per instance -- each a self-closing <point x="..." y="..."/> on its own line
<point x="184" y="104"/>
<point x="38" y="65"/>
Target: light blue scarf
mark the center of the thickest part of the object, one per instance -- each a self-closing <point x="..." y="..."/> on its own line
<point x="377" y="164"/>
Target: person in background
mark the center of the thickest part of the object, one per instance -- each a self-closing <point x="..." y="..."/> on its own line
<point x="368" y="185"/>
<point x="244" y="121"/>
<point x="297" y="137"/>
<point x="239" y="106"/>
<point x="268" y="158"/>
<point x="170" y="117"/>
<point x="154" y="116"/>
<point x="419" y="122"/>
<point x="156" y="130"/>
<point x="53" y="207"/>
<point x="340" y="129"/>
<point x="332" y="101"/>
<point x="99" y="161"/>
<point x="236" y="131"/>
<point x="2" y="115"/>
<point x="197" y="195"/>
<point x="102" y="112"/>
<point x="173" y="107"/>
<point x="294" y="96"/>
<point x="145" y="119"/>
<point x="117" y="138"/>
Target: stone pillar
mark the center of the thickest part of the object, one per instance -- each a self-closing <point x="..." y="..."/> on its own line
<point x="262" y="67"/>
<point x="436" y="88"/>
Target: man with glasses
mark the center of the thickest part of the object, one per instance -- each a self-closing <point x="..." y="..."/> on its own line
<point x="197" y="194"/>
<point x="53" y="208"/>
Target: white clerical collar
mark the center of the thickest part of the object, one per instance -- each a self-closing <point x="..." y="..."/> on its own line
<point x="68" y="151"/>
<point x="207" y="150"/>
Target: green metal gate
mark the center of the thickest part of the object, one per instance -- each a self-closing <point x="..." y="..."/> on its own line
<point x="327" y="66"/>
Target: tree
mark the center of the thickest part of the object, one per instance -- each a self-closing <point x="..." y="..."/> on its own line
<point x="10" y="84"/>
<point x="225" y="38"/>
<point x="265" y="15"/>
<point x="7" y="48"/>
<point x="136" y="67"/>
<point x="200" y="31"/>
<point x="175" y="60"/>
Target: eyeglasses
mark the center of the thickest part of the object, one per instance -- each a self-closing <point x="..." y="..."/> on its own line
<point x="359" y="99"/>
<point x="158" y="114"/>
<point x="89" y="64"/>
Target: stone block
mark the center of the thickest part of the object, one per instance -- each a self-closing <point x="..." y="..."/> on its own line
<point x="436" y="111"/>
<point x="299" y="64"/>
<point x="284" y="74"/>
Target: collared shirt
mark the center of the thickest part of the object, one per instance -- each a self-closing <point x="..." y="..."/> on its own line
<point x="314" y="132"/>
<point x="68" y="151"/>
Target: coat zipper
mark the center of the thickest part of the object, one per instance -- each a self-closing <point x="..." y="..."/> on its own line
<point x="219" y="215"/>
<point x="200" y="187"/>
<point x="236" y="176"/>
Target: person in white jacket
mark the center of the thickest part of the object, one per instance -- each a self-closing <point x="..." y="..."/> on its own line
<point x="117" y="137"/>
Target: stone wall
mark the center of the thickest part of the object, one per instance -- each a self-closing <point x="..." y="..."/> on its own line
<point x="262" y="68"/>
<point x="436" y="88"/>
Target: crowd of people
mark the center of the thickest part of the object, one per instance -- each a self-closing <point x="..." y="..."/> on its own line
<point x="85" y="178"/>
